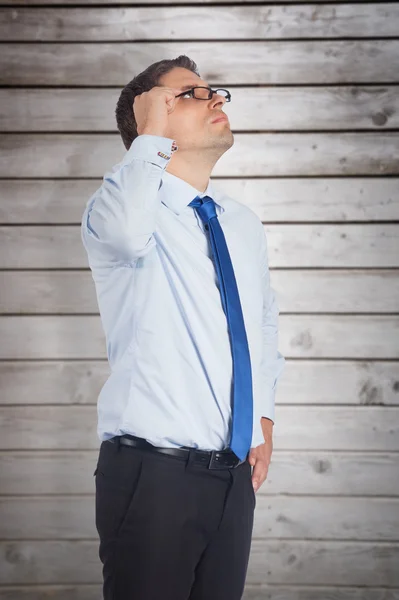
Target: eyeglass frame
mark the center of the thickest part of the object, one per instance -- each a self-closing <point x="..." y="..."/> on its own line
<point x="211" y="92"/>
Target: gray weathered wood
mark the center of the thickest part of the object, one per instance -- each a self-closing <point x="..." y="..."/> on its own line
<point x="281" y="592"/>
<point x="261" y="155"/>
<point x="231" y="62"/>
<point x="93" y="592"/>
<point x="68" y="472"/>
<point x="287" y="562"/>
<point x="313" y="160"/>
<point x="89" y="3"/>
<point x="293" y="199"/>
<point x="191" y="22"/>
<point x="354" y="246"/>
<point x="304" y="382"/>
<point x="300" y="290"/>
<point x="296" y="428"/>
<point x="288" y="108"/>
<point x="272" y="199"/>
<point x="276" y="517"/>
<point x="324" y="562"/>
<point x="319" y="336"/>
<point x="321" y="472"/>
<point x="333" y="246"/>
<point x="57" y="382"/>
<point x="302" y="336"/>
<point x="251" y="592"/>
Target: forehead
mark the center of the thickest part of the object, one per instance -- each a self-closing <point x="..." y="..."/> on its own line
<point x="181" y="78"/>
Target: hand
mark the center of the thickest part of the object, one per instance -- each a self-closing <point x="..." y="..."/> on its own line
<point x="152" y="109"/>
<point x="259" y="458"/>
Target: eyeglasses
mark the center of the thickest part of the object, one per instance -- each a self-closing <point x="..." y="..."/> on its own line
<point x="205" y="93"/>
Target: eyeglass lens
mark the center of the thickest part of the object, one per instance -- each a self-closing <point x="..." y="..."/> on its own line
<point x="203" y="93"/>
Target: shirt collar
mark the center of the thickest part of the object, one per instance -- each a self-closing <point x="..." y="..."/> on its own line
<point x="177" y="194"/>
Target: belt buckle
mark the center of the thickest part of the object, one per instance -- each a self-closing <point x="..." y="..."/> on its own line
<point x="213" y="463"/>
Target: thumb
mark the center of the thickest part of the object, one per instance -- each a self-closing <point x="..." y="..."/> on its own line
<point x="251" y="459"/>
<point x="171" y="100"/>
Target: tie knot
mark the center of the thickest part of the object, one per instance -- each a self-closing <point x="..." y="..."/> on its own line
<point x="205" y="207"/>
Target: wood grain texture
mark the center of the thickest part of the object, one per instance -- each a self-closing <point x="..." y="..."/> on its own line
<point x="289" y="562"/>
<point x="290" y="108"/>
<point x="173" y="23"/>
<point x="210" y="3"/>
<point x="359" y="473"/>
<point x="307" y="199"/>
<point x="315" y="115"/>
<point x="230" y="62"/>
<point x="301" y="336"/>
<point x="252" y="155"/>
<point x="334" y="382"/>
<point x="296" y="427"/>
<point x="300" y="290"/>
<point x="276" y="517"/>
<point x="251" y="592"/>
<point x="293" y="246"/>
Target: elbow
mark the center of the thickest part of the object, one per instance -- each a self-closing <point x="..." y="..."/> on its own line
<point x="129" y="239"/>
<point x="130" y="246"/>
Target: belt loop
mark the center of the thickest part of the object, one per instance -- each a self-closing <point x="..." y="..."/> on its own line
<point x="190" y="459"/>
<point x="118" y="442"/>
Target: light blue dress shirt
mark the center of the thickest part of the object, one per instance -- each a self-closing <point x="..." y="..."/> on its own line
<point x="158" y="294"/>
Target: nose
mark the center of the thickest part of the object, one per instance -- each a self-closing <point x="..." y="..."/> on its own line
<point x="217" y="99"/>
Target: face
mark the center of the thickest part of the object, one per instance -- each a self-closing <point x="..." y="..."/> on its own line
<point x="191" y="120"/>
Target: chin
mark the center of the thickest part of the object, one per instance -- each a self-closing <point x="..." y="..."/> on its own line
<point x="227" y="140"/>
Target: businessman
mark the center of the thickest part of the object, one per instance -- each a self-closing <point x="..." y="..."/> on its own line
<point x="185" y="418"/>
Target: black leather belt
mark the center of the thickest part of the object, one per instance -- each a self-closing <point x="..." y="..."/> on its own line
<point x="212" y="459"/>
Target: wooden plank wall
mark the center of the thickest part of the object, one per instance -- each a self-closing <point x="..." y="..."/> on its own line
<point x="315" y="112"/>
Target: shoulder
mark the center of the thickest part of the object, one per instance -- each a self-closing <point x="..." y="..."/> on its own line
<point x="240" y="214"/>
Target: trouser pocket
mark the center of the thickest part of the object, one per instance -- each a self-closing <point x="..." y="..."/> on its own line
<point x="118" y="477"/>
<point x="249" y="476"/>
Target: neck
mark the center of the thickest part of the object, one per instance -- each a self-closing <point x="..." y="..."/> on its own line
<point x="192" y="169"/>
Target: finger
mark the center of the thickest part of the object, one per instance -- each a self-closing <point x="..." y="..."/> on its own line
<point x="259" y="473"/>
<point x="165" y="88"/>
<point x="252" y="458"/>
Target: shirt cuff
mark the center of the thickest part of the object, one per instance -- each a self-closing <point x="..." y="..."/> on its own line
<point x="151" y="148"/>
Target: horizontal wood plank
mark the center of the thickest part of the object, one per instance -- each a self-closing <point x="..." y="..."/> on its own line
<point x="276" y="517"/>
<point x="360" y="473"/>
<point x="323" y="563"/>
<point x="314" y="290"/>
<point x="90" y="592"/>
<point x="281" y="62"/>
<point x="89" y="3"/>
<point x="61" y="201"/>
<point x="288" y="108"/>
<point x="173" y="23"/>
<point x="252" y="155"/>
<point x="301" y="336"/>
<point x="251" y="592"/>
<point x="303" y="245"/>
<point x="296" y="427"/>
<point x="304" y="382"/>
<point x="337" y="407"/>
<point x="288" y="562"/>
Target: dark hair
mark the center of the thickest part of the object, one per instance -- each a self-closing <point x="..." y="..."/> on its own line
<point x="144" y="82"/>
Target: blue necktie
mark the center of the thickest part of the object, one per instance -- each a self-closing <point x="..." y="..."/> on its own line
<point x="242" y="375"/>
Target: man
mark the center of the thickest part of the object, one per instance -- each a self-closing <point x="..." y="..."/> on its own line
<point x="190" y="319"/>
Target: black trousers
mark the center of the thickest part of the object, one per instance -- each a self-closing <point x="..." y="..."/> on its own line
<point x="171" y="529"/>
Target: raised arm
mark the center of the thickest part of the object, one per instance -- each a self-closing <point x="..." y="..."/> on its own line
<point x="120" y="217"/>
